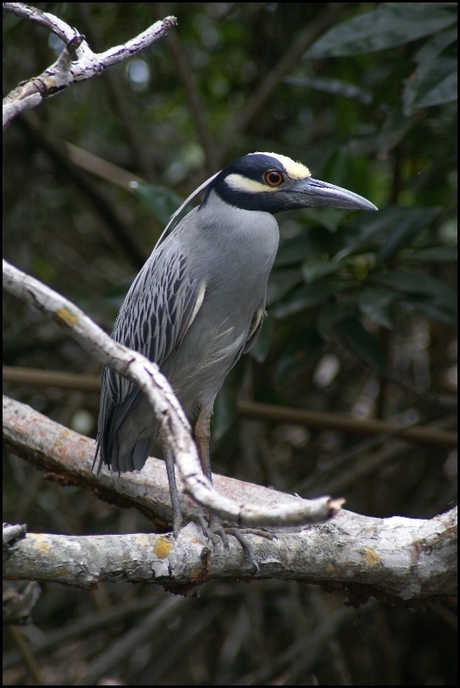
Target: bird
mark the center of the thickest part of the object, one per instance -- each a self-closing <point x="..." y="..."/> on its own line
<point x="198" y="303"/>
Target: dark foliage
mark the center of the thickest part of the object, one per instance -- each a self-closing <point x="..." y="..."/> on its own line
<point x="361" y="310"/>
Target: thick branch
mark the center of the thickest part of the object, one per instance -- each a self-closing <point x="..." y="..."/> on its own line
<point x="401" y="557"/>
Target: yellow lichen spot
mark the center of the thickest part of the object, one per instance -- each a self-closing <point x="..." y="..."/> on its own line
<point x="330" y="568"/>
<point x="371" y="556"/>
<point x="162" y="548"/>
<point x="68" y="317"/>
<point x="40" y="543"/>
<point x="62" y="439"/>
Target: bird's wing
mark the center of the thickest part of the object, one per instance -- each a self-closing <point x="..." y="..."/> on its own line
<point x="159" y="308"/>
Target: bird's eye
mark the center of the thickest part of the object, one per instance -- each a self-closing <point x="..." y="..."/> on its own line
<point x="273" y="178"/>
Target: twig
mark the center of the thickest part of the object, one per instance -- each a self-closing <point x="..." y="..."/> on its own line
<point x="143" y="158"/>
<point x="340" y="421"/>
<point x="250" y="409"/>
<point x="77" y="62"/>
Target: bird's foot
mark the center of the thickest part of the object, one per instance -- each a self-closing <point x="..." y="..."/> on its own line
<point x="240" y="533"/>
<point x="192" y="517"/>
<point x="218" y="529"/>
<point x="213" y="529"/>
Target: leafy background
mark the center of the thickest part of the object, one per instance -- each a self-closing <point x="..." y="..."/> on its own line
<point x="361" y="308"/>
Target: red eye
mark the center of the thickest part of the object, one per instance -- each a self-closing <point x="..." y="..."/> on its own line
<point x="273" y="178"/>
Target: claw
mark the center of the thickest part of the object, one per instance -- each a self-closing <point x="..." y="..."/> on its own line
<point x="246" y="545"/>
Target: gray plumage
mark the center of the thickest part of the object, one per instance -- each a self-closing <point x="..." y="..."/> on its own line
<point x="198" y="303"/>
<point x="194" y="313"/>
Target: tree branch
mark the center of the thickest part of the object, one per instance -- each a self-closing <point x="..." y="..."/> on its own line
<point x="77" y="62"/>
<point x="406" y="558"/>
<point x="195" y="101"/>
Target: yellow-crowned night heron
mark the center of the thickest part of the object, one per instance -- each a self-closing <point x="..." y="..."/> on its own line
<point x="198" y="303"/>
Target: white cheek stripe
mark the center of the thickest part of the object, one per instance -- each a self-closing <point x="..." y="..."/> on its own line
<point x="239" y="183"/>
<point x="295" y="170"/>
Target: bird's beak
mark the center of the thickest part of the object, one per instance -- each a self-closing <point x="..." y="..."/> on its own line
<point x="312" y="193"/>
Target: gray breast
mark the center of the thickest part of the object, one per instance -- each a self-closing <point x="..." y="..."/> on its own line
<point x="233" y="257"/>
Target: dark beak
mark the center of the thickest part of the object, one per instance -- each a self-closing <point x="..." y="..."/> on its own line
<point x="313" y="193"/>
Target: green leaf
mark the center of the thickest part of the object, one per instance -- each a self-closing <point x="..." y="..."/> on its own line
<point x="439" y="85"/>
<point x="294" y="251"/>
<point x="363" y="342"/>
<point x="416" y="283"/>
<point x="329" y="218"/>
<point x="433" y="309"/>
<point x="387" y="27"/>
<point x="314" y="269"/>
<point x="379" y="306"/>
<point x="305" y="296"/>
<point x="422" y="294"/>
<point x="435" y="79"/>
<point x="436" y="254"/>
<point x="335" y="86"/>
<point x="370" y="229"/>
<point x="412" y="222"/>
<point x="159" y="200"/>
<point x="394" y="129"/>
<point x="281" y="282"/>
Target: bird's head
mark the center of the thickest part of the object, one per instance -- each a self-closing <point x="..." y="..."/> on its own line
<point x="271" y="182"/>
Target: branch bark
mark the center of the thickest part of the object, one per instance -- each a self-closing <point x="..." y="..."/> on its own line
<point x="403" y="558"/>
<point x="77" y="62"/>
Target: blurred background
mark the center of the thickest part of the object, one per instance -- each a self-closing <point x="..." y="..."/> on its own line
<point x="361" y="313"/>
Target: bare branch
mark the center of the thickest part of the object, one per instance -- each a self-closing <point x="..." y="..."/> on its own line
<point x="409" y="559"/>
<point x="120" y="99"/>
<point x="49" y="21"/>
<point x="402" y="557"/>
<point x="168" y="411"/>
<point x="16" y="107"/>
<point x="77" y="62"/>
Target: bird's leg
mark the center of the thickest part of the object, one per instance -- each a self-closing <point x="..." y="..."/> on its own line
<point x="173" y="492"/>
<point x="202" y="433"/>
<point x="179" y="519"/>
